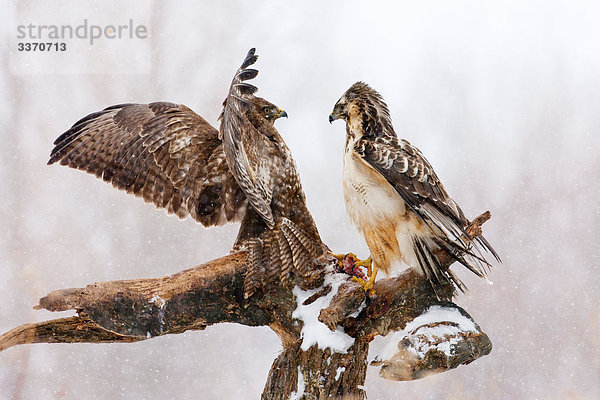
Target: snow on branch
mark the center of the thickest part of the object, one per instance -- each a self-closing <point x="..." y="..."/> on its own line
<point x="425" y="334"/>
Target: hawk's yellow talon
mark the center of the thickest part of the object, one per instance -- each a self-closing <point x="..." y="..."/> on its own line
<point x="367" y="285"/>
<point x="370" y="284"/>
<point x="341" y="257"/>
<point x="368" y="264"/>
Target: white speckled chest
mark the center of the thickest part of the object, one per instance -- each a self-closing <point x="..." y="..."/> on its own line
<point x="368" y="196"/>
<point x="380" y="215"/>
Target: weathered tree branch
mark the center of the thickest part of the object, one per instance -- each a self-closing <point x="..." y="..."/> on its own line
<point x="63" y="330"/>
<point x="191" y="299"/>
<point x="134" y="310"/>
<point x="397" y="301"/>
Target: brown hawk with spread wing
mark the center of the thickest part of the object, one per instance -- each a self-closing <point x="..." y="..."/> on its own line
<point x="170" y="156"/>
<point x="395" y="199"/>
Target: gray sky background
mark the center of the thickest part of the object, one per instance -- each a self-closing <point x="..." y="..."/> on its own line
<point x="501" y="96"/>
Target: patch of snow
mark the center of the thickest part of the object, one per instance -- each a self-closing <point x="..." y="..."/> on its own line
<point x="442" y="314"/>
<point x="297" y="395"/>
<point x="424" y="338"/>
<point x="390" y="346"/>
<point x="314" y="331"/>
<point x="338" y="372"/>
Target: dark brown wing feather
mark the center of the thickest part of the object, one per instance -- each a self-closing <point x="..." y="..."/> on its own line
<point x="413" y="177"/>
<point x="162" y="152"/>
<point x="168" y="155"/>
<point x="405" y="168"/>
<point x="237" y="134"/>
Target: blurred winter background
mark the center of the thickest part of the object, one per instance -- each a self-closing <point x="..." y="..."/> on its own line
<point x="501" y="96"/>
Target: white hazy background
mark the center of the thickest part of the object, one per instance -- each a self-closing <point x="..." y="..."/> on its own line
<point x="501" y="96"/>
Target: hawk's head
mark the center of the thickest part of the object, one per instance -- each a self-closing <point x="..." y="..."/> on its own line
<point x="267" y="110"/>
<point x="363" y="109"/>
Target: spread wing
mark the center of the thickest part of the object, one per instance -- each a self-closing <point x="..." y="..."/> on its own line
<point x="411" y="175"/>
<point x="237" y="134"/>
<point x="162" y="152"/>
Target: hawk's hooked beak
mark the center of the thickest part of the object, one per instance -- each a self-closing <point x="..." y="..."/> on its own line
<point x="280" y="114"/>
<point x="337" y="113"/>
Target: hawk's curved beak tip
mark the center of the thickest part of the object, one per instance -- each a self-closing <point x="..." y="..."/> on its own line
<point x="331" y="118"/>
<point x="283" y="114"/>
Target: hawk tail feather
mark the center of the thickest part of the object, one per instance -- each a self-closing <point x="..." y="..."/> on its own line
<point x="426" y="249"/>
<point x="252" y="280"/>
<point x="295" y="253"/>
<point x="450" y="226"/>
<point x="482" y="241"/>
<point x="272" y="258"/>
<point x="475" y="263"/>
<point x="314" y="248"/>
<point x="454" y="231"/>
<point x="432" y="268"/>
<point x="302" y="262"/>
<point x="301" y="256"/>
<point x="286" y="257"/>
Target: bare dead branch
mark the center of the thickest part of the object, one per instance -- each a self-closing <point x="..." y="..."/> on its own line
<point x="64" y="330"/>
